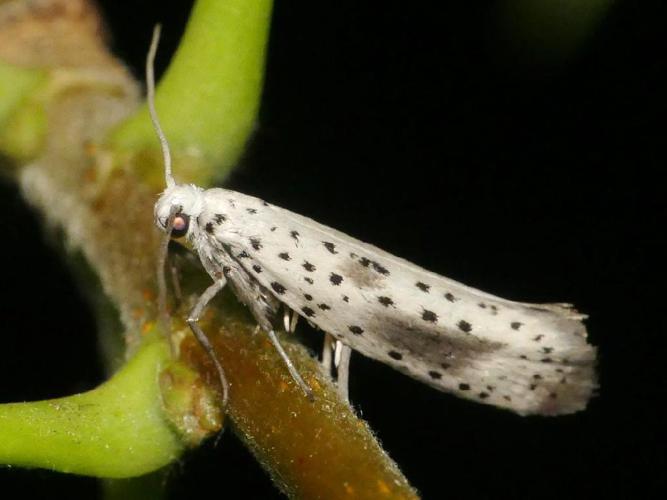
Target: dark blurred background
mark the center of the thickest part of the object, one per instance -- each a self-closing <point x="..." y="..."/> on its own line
<point x="515" y="147"/>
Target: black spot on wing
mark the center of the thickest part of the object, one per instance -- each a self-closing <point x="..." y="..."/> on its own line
<point x="464" y="326"/>
<point x="308" y="266"/>
<point x="243" y="255"/>
<point x="423" y="286"/>
<point x="385" y="301"/>
<point x="219" y="218"/>
<point x="256" y="243"/>
<point x="278" y="288"/>
<point x="450" y="297"/>
<point x="346" y="298"/>
<point x="330" y="246"/>
<point x="435" y="375"/>
<point x="257" y="269"/>
<point x="464" y="387"/>
<point x="335" y="279"/>
<point x="210" y="229"/>
<point x="395" y="355"/>
<point x="251" y="210"/>
<point x="357" y="330"/>
<point x="284" y="256"/>
<point x="366" y="262"/>
<point x="308" y="311"/>
<point x="429" y="316"/>
<point x="323" y="307"/>
<point x="295" y="235"/>
<point x="308" y="296"/>
<point x="516" y="325"/>
<point x="308" y="280"/>
<point x="380" y="268"/>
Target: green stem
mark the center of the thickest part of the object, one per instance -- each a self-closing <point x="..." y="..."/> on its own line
<point x="22" y="122"/>
<point x="116" y="430"/>
<point x="216" y="76"/>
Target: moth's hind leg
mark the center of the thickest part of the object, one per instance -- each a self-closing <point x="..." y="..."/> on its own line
<point x="290" y="319"/>
<point x="201" y="337"/>
<point x="327" y="353"/>
<point x="336" y="355"/>
<point x="342" y="356"/>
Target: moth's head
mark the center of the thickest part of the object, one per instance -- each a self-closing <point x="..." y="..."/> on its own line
<point x="185" y="202"/>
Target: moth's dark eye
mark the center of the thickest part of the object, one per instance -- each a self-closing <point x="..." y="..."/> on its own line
<point x="181" y="224"/>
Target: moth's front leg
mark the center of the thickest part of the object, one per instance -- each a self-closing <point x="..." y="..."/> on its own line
<point x="201" y="337"/>
<point x="290" y="366"/>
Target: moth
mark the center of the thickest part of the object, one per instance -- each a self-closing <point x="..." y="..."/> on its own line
<point x="527" y="358"/>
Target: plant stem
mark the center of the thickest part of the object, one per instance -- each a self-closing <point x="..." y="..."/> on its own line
<point x="101" y="193"/>
<point x="115" y="430"/>
<point x="217" y="73"/>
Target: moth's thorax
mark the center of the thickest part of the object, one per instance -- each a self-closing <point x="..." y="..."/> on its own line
<point x="187" y="198"/>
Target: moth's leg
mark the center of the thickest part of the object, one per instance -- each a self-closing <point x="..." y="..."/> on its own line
<point x="292" y="324"/>
<point x="177" y="256"/>
<point x="292" y="370"/>
<point x="342" y="360"/>
<point x="327" y="351"/>
<point x="162" y="256"/>
<point x="290" y="319"/>
<point x="201" y="337"/>
<point x="175" y="280"/>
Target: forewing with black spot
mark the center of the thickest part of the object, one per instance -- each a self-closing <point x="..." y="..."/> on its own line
<point x="532" y="359"/>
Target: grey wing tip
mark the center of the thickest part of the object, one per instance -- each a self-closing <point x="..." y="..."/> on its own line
<point x="569" y="404"/>
<point x="559" y="399"/>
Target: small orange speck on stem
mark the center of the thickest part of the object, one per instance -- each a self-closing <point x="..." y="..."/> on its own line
<point x="383" y="488"/>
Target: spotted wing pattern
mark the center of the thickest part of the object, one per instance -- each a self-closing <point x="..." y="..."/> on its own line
<point x="532" y="359"/>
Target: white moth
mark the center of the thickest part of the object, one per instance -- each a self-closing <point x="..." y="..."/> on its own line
<point x="531" y="359"/>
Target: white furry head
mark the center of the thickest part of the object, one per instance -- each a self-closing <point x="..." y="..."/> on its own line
<point x="184" y="201"/>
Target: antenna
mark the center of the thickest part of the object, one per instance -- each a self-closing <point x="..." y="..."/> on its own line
<point x="150" y="83"/>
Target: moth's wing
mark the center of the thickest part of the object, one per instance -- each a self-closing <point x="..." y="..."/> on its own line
<point x="532" y="359"/>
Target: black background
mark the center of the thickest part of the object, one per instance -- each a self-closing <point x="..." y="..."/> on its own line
<point x="439" y="136"/>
